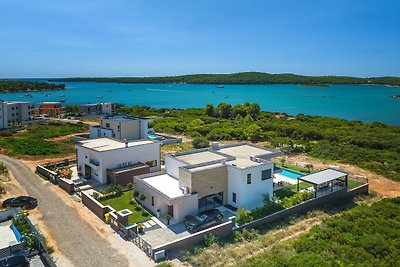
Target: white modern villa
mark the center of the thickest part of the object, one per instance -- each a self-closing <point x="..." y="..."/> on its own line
<point x="122" y="128"/>
<point x="108" y="160"/>
<point x="238" y="175"/>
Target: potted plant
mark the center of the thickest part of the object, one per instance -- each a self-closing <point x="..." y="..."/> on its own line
<point x="140" y="227"/>
<point x="168" y="218"/>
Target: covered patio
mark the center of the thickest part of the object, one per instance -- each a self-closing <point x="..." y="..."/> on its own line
<point x="325" y="181"/>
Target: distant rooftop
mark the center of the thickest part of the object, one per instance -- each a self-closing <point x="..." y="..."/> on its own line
<point x="106" y="144"/>
<point x="123" y="118"/>
<point x="166" y="184"/>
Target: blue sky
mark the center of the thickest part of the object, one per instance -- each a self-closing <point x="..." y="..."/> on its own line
<point x="68" y="38"/>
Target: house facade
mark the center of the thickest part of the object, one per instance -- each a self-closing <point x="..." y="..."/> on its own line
<point x="15" y="112"/>
<point x="238" y="175"/>
<point x="122" y="128"/>
<point x="52" y="109"/>
<point x="109" y="160"/>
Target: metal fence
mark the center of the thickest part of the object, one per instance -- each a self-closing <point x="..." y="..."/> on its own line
<point x="141" y="243"/>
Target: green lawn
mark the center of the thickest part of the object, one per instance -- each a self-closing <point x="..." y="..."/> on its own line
<point x="353" y="184"/>
<point x="123" y="202"/>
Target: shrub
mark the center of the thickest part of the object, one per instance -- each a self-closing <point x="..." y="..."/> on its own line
<point x="129" y="185"/>
<point x="145" y="213"/>
<point x="296" y="199"/>
<point x="200" y="142"/>
<point x="142" y="197"/>
<point x="243" y="216"/>
<point x="250" y="234"/>
<point x="237" y="236"/>
<point x="210" y="239"/>
<point x="136" y="193"/>
<point x="95" y="195"/>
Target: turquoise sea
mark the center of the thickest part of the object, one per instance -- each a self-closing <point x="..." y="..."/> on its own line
<point x="366" y="103"/>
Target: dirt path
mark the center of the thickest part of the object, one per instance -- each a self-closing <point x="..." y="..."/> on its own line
<point x="64" y="137"/>
<point x="377" y="183"/>
<point x="78" y="234"/>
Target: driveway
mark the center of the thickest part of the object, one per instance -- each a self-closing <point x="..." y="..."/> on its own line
<point x="78" y="240"/>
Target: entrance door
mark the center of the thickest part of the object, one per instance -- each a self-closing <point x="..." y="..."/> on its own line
<point x="171" y="210"/>
<point x="88" y="171"/>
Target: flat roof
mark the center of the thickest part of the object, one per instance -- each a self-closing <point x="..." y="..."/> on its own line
<point x="166" y="184"/>
<point x="323" y="176"/>
<point x="244" y="151"/>
<point x="106" y="144"/>
<point x="199" y="157"/>
<point x="7" y="235"/>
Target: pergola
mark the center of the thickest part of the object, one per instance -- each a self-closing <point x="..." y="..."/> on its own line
<point x="326" y="180"/>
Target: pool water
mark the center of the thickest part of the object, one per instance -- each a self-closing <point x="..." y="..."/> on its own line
<point x="290" y="174"/>
<point x="153" y="136"/>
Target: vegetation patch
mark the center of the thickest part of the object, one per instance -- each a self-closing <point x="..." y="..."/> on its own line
<point x="343" y="240"/>
<point x="25" y="86"/>
<point x="34" y="140"/>
<point x="372" y="146"/>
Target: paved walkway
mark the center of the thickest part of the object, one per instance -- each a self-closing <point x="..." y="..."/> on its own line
<point x="75" y="237"/>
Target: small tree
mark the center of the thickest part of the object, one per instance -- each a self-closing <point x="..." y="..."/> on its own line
<point x="168" y="218"/>
<point x="210" y="111"/>
<point x="253" y="132"/>
<point x="243" y="216"/>
<point x="283" y="160"/>
<point x="142" y="197"/>
<point x="309" y="167"/>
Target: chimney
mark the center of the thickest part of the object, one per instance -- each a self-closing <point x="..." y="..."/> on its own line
<point x="126" y="143"/>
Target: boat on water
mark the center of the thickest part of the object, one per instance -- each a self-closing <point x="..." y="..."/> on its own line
<point x="62" y="100"/>
<point x="213" y="92"/>
<point x="99" y="96"/>
<point x="220" y="86"/>
<point x="62" y="95"/>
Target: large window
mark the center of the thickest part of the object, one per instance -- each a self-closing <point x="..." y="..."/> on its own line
<point x="249" y="178"/>
<point x="234" y="197"/>
<point x="266" y="174"/>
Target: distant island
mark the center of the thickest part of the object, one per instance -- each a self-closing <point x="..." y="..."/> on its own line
<point x="9" y="86"/>
<point x="244" y="78"/>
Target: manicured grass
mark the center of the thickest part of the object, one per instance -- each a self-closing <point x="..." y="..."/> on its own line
<point x="290" y="190"/>
<point x="33" y="141"/>
<point x="294" y="168"/>
<point x="353" y="184"/>
<point x="123" y="202"/>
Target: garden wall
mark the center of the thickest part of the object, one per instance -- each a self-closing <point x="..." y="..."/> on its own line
<point x="307" y="205"/>
<point x="47" y="173"/>
<point x="96" y="207"/>
<point x="66" y="185"/>
<point x="222" y="231"/>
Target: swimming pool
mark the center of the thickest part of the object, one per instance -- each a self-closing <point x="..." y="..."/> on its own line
<point x="290" y="174"/>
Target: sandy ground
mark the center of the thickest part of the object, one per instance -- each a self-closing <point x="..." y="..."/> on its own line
<point x="377" y="183"/>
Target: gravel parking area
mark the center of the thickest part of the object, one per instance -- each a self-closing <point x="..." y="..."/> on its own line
<point x="75" y="237"/>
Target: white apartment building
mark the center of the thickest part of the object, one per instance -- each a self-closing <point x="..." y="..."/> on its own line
<point x="15" y="112"/>
<point x="122" y="128"/>
<point x="95" y="109"/>
<point x="103" y="159"/>
<point x="239" y="175"/>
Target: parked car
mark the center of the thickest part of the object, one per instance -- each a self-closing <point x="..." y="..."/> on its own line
<point x="204" y="220"/>
<point x="14" y="261"/>
<point x="21" y="201"/>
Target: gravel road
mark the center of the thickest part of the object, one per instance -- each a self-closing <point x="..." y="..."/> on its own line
<point x="75" y="238"/>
